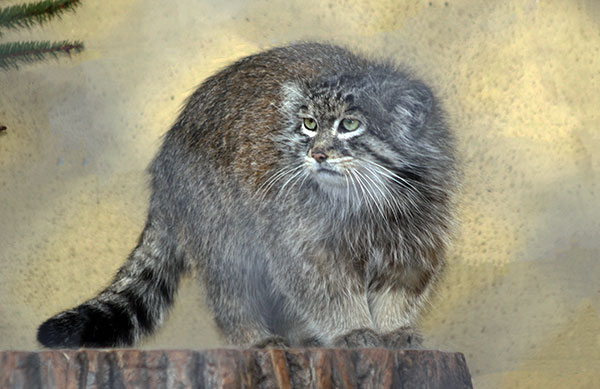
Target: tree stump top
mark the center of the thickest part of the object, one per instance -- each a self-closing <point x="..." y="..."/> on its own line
<point x="234" y="368"/>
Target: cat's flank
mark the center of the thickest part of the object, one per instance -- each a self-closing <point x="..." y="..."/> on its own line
<point x="310" y="188"/>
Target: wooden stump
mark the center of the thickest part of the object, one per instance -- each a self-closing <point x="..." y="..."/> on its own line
<point x="233" y="368"/>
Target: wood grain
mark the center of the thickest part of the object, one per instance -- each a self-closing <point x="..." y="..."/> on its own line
<point x="233" y="368"/>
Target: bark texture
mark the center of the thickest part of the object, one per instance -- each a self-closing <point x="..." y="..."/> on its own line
<point x="233" y="368"/>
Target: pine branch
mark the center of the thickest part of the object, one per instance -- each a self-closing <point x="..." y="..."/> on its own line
<point x="26" y="15"/>
<point x="13" y="54"/>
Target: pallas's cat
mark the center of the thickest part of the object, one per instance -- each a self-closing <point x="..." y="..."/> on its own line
<point x="311" y="190"/>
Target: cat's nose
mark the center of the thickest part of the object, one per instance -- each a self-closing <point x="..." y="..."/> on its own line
<point x="318" y="155"/>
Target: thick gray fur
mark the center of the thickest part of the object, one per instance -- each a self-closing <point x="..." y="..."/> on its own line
<point x="323" y="237"/>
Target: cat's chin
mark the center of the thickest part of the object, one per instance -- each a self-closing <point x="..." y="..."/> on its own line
<point x="329" y="179"/>
<point x="334" y="185"/>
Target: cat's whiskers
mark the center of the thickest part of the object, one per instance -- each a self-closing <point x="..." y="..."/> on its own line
<point x="363" y="189"/>
<point x="353" y="185"/>
<point x="306" y="175"/>
<point x="425" y="185"/>
<point x="292" y="177"/>
<point x="262" y="190"/>
<point x="390" y="196"/>
<point x="395" y="177"/>
<point x="265" y="186"/>
<point x="408" y="195"/>
<point x="391" y="192"/>
<point x="392" y="176"/>
<point x="365" y="181"/>
<point x="347" y="191"/>
<point x="380" y="185"/>
<point x="378" y="194"/>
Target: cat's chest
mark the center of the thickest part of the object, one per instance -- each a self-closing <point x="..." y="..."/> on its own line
<point x="358" y="257"/>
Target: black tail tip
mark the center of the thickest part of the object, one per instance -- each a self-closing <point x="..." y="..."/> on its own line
<point x="61" y="331"/>
<point x="87" y="326"/>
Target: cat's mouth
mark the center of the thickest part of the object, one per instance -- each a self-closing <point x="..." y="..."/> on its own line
<point x="327" y="171"/>
<point x="323" y="169"/>
<point x="327" y="175"/>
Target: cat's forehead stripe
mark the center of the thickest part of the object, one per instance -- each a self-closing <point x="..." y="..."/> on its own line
<point x="335" y="126"/>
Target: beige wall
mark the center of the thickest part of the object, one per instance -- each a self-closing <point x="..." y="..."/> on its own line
<point x="521" y="83"/>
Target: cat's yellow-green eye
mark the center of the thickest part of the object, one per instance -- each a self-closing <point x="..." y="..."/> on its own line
<point x="350" y="124"/>
<point x="310" y="124"/>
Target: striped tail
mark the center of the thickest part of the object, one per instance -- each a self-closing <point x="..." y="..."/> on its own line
<point x="133" y="305"/>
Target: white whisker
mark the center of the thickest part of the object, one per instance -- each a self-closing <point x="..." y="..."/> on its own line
<point x="351" y="176"/>
<point x="347" y="191"/>
<point x="391" y="175"/>
<point x="389" y="196"/>
<point x="292" y="177"/>
<point x="370" y="194"/>
<point x="409" y="195"/>
<point x="262" y="190"/>
<point x="363" y="190"/>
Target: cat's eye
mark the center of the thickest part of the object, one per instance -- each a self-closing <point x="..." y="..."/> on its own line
<point x="350" y="124"/>
<point x="310" y="124"/>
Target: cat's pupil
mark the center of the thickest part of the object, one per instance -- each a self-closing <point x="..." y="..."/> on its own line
<point x="310" y="124"/>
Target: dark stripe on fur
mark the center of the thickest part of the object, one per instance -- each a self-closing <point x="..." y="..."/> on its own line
<point x="410" y="175"/>
<point x="139" y="309"/>
<point x="150" y="277"/>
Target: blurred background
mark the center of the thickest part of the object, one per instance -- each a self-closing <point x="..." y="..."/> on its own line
<point x="520" y="80"/>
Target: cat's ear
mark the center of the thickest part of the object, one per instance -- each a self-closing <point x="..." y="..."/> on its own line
<point x="411" y="103"/>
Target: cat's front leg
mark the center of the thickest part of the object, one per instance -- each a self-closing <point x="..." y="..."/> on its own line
<point x="331" y="301"/>
<point x="344" y="320"/>
<point x="395" y="312"/>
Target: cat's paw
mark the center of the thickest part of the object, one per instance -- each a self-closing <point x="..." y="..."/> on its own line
<point x="310" y="342"/>
<point x="361" y="338"/>
<point x="271" y="342"/>
<point x="405" y="337"/>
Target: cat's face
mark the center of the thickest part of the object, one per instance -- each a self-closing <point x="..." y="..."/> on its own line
<point x="352" y="137"/>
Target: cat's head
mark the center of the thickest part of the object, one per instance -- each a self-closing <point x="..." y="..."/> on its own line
<point x="363" y="138"/>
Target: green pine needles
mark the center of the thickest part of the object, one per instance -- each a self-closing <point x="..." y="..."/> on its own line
<point x="25" y="16"/>
<point x="13" y="54"/>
